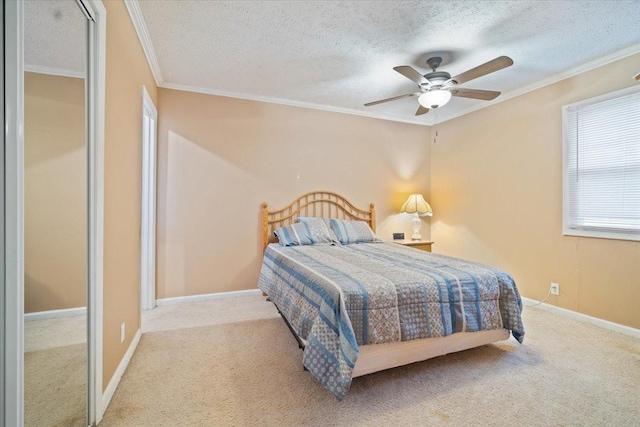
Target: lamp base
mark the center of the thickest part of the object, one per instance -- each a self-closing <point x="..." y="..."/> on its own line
<point x="415" y="224"/>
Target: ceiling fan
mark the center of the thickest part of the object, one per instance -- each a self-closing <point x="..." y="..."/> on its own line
<point x="437" y="87"/>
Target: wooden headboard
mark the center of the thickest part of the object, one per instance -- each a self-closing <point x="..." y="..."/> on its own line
<point x="322" y="204"/>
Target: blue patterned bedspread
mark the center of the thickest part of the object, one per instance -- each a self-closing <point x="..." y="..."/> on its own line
<point x="338" y="298"/>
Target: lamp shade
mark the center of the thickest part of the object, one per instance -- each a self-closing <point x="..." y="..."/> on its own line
<point x="417" y="204"/>
<point x="434" y="98"/>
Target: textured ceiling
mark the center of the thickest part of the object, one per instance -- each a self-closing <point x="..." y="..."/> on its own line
<point x="341" y="54"/>
<point x="54" y="36"/>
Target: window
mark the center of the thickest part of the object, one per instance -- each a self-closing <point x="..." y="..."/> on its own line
<point x="601" y="146"/>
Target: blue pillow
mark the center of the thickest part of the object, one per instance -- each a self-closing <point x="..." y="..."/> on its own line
<point x="302" y="233"/>
<point x="317" y="222"/>
<point x="353" y="232"/>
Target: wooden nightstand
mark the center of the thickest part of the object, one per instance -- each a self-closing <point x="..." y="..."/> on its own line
<point x="423" y="245"/>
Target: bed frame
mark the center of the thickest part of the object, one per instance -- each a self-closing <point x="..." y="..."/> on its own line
<point x="373" y="357"/>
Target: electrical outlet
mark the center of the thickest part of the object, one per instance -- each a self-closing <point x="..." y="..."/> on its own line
<point x="555" y="289"/>
<point x="122" y="333"/>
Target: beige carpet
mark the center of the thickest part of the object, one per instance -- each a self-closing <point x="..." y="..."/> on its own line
<point x="249" y="373"/>
<point x="55" y="387"/>
<point x="51" y="333"/>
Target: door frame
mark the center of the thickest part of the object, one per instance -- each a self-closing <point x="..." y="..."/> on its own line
<point x="2" y="224"/>
<point x="12" y="221"/>
<point x="95" y="84"/>
<point x="148" y="201"/>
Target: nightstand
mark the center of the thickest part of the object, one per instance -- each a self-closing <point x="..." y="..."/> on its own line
<point x="423" y="245"/>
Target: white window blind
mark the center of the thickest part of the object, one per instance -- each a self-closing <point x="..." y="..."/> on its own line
<point x="602" y="167"/>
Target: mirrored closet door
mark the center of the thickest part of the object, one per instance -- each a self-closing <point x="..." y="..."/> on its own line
<point x="55" y="214"/>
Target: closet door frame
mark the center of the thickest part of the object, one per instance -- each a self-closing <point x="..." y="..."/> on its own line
<point x="12" y="207"/>
<point x="95" y="93"/>
<point x="12" y="281"/>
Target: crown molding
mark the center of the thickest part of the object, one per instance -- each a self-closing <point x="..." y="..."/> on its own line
<point x="41" y="69"/>
<point x="604" y="60"/>
<point x="290" y="102"/>
<point x="145" y="39"/>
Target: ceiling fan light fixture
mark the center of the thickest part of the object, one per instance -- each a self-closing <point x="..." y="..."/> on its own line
<point x="434" y="98"/>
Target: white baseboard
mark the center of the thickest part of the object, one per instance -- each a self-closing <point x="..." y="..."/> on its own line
<point x="117" y="375"/>
<point x="207" y="297"/>
<point x="55" y="314"/>
<point x="616" y="327"/>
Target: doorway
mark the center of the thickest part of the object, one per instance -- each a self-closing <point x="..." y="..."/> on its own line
<point x="148" y="211"/>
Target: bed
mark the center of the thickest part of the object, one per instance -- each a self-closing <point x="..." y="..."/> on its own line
<point x="360" y="308"/>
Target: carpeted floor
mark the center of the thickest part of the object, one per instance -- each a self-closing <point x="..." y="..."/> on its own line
<point x="55" y="372"/>
<point x="249" y="373"/>
<point x="55" y="386"/>
<point x="51" y="333"/>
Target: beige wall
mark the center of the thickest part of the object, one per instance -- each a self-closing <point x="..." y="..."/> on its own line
<point x="55" y="193"/>
<point x="497" y="197"/>
<point x="127" y="71"/>
<point x="220" y="158"/>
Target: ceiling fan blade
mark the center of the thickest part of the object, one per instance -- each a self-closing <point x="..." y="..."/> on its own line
<point x="411" y="74"/>
<point x="484" y="69"/>
<point x="637" y="77"/>
<point x="369" y="104"/>
<point x="421" y="111"/>
<point x="486" y="95"/>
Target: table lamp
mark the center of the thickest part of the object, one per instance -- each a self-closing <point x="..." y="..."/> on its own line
<point x="418" y="207"/>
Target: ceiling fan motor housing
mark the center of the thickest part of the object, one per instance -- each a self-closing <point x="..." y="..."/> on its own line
<point x="437" y="78"/>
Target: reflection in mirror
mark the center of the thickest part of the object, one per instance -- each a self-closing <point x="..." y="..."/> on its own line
<point x="55" y="360"/>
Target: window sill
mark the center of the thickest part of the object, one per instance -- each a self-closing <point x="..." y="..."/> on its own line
<point x="600" y="234"/>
